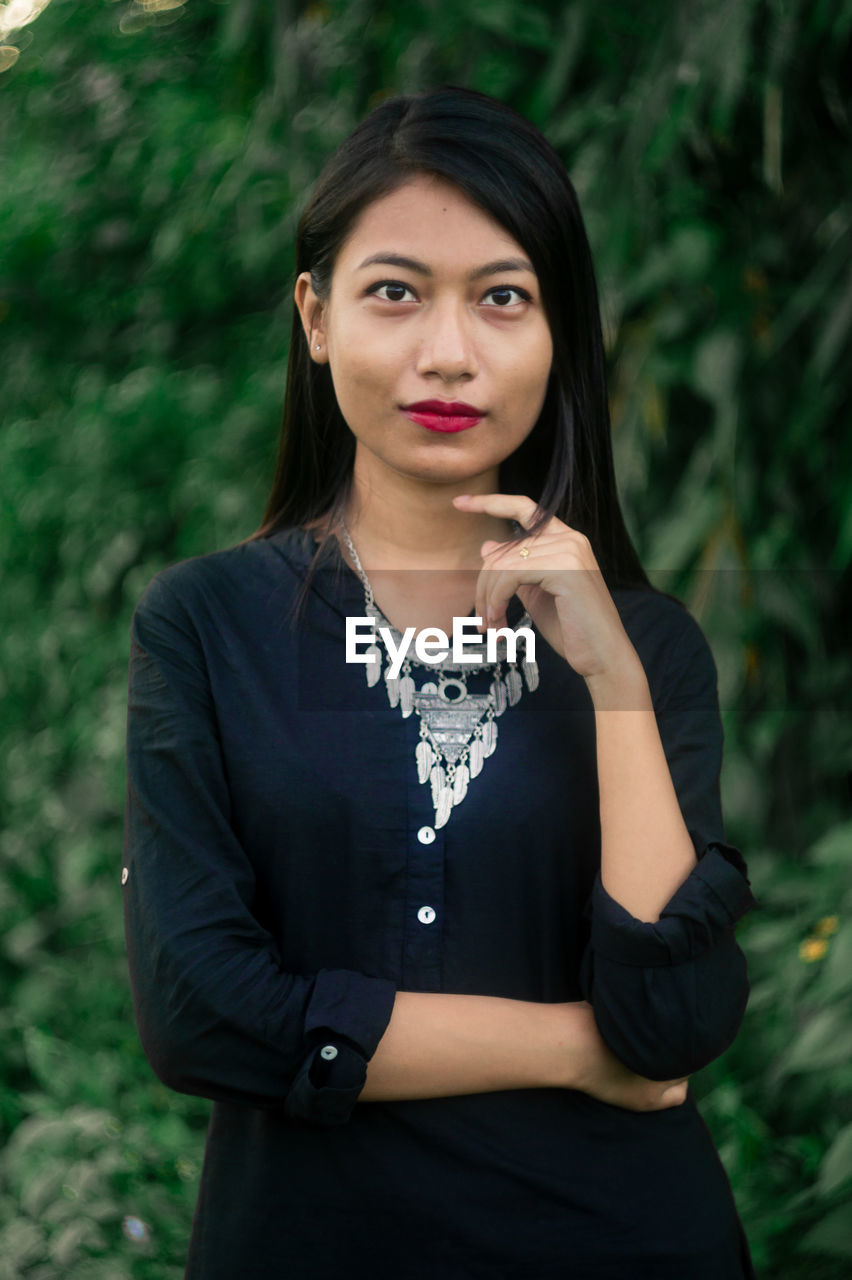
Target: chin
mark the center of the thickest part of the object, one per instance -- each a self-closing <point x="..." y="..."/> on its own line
<point x="448" y="472"/>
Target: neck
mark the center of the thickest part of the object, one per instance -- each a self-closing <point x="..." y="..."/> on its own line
<point x="409" y="524"/>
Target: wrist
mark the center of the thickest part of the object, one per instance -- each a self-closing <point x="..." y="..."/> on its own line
<point x="572" y="1028"/>
<point x="621" y="687"/>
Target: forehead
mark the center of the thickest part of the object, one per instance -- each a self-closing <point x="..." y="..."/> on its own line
<point x="429" y="219"/>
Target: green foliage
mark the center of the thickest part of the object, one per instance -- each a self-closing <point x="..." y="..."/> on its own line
<point x="156" y="158"/>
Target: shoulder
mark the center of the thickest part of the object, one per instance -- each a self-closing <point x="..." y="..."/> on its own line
<point x="229" y="578"/>
<point x="652" y="616"/>
<point x="215" y="606"/>
<point x="673" y="648"/>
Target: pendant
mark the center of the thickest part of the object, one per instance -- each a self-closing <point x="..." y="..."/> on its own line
<point x="437" y="777"/>
<point x="458" y="729"/>
<point x="530" y="670"/>
<point x="443" y="807"/>
<point x="374" y="664"/>
<point x="392" y="683"/>
<point x="476" y="757"/>
<point x="460" y="782"/>
<point x="450" y="725"/>
<point x="425" y="757"/>
<point x="406" y="696"/>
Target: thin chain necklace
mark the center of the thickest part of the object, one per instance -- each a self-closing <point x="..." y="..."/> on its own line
<point x="458" y="729"/>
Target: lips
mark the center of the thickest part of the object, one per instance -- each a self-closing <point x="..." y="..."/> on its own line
<point x="444" y="415"/>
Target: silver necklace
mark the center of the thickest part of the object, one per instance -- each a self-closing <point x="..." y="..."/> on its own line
<point x="458" y="728"/>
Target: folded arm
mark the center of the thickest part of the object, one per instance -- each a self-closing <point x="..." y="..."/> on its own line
<point x="663" y="970"/>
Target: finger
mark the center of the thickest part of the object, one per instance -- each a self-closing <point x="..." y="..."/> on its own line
<point x="509" y="506"/>
<point x="491" y="553"/>
<point x="479" y="598"/>
<point x="512" y="553"/>
<point x="486" y="602"/>
<point x="500" y="586"/>
<point x="507" y="568"/>
<point x="563" y="542"/>
<point x="674" y="1097"/>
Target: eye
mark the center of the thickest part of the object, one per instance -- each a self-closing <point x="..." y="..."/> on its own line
<point x="502" y="295"/>
<point x="390" y="291"/>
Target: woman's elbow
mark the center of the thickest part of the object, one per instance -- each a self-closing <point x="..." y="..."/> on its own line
<point x="669" y="1023"/>
<point x="172" y="1056"/>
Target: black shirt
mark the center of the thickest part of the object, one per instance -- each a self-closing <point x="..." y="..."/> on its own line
<point x="279" y="852"/>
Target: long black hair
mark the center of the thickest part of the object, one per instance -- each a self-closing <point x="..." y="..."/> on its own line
<point x="504" y="165"/>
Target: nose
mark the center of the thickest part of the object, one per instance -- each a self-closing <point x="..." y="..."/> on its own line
<point x="447" y="348"/>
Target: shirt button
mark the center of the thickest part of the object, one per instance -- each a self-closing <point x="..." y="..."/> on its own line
<point x="426" y="835"/>
<point x="426" y="915"/>
<point x="125" y="875"/>
<point x="328" y="1051"/>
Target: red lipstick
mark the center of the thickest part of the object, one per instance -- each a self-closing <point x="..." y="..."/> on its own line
<point x="444" y="415"/>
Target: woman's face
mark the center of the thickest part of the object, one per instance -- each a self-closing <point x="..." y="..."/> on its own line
<point x="432" y="300"/>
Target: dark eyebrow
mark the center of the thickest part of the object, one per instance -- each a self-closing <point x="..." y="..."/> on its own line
<point x="412" y="264"/>
<point x="503" y="264"/>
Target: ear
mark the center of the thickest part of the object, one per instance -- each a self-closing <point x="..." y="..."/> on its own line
<point x="312" y="313"/>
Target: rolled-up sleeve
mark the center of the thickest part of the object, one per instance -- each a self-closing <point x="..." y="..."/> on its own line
<point x="217" y="1014"/>
<point x="669" y="996"/>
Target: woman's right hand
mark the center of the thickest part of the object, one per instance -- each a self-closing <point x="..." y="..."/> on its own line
<point x="601" y="1075"/>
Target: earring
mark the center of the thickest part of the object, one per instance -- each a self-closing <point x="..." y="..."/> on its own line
<point x="318" y="347"/>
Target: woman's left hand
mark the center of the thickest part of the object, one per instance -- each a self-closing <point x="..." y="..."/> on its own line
<point x="562" y="588"/>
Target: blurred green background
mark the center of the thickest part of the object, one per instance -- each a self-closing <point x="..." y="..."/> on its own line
<point x="155" y="157"/>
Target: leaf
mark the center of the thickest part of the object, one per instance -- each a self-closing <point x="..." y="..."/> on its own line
<point x="46" y="1056"/>
<point x="836" y="975"/>
<point x="825" y="1042"/>
<point x="832" y="1235"/>
<point x="686" y="527"/>
<point x="717" y="361"/>
<point x="73" y="1238"/>
<point x="835" y="332"/>
<point x="771" y="935"/>
<point x="522" y="25"/>
<point x="836" y="1167"/>
<point x="834" y="848"/>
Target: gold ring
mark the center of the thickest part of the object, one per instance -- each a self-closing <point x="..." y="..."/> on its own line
<point x="524" y="551"/>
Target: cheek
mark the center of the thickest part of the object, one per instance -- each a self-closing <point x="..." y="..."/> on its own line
<point x="529" y="373"/>
<point x="366" y="360"/>
<point x="364" y="382"/>
<point x="355" y="368"/>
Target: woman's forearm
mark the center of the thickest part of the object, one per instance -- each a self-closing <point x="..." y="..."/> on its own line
<point x="440" y="1045"/>
<point x="437" y="1045"/>
<point x="646" y="850"/>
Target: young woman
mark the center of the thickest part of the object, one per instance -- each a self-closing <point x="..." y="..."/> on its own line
<point x="441" y="932"/>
